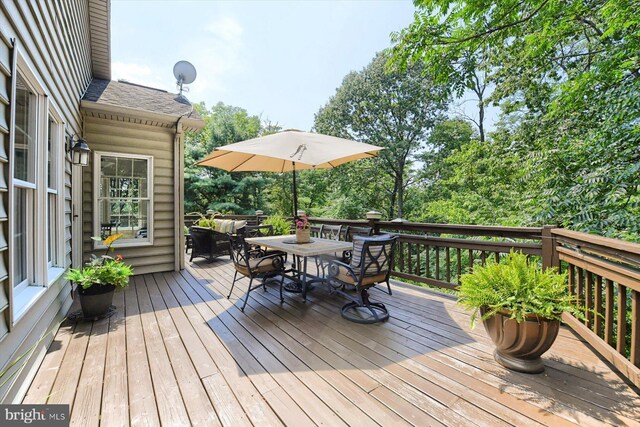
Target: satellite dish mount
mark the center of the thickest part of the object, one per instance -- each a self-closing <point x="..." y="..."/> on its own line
<point x="185" y="73"/>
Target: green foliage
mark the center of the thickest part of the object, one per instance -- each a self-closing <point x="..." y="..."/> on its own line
<point x="205" y="222"/>
<point x="518" y="287"/>
<point x="104" y="270"/>
<point x="394" y="109"/>
<point x="211" y="188"/>
<point x="567" y="76"/>
<point x="280" y="224"/>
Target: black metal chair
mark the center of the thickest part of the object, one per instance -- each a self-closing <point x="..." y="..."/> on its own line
<point x="315" y="230"/>
<point x="330" y="232"/>
<point x="260" y="231"/>
<point x="370" y="265"/>
<point x="349" y="232"/>
<point x="248" y="264"/>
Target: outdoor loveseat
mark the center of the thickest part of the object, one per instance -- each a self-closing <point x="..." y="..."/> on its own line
<point x="211" y="243"/>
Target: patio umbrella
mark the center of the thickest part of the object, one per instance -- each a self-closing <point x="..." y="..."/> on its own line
<point x="286" y="151"/>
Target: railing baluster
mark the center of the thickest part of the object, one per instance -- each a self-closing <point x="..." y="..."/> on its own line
<point x="483" y="257"/>
<point x="437" y="249"/>
<point x="588" y="298"/>
<point x="497" y="255"/>
<point x="608" y="312"/>
<point x="409" y="261"/>
<point x="621" y="338"/>
<point x="459" y="256"/>
<point x="428" y="261"/>
<point x="572" y="279"/>
<point x="448" y="262"/>
<point x="470" y="260"/>
<point x="598" y="306"/>
<point x="635" y="328"/>
<point x="401" y="253"/>
<point x="418" y="269"/>
<point x="580" y="287"/>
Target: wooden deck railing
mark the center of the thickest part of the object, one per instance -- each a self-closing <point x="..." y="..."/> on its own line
<point x="603" y="273"/>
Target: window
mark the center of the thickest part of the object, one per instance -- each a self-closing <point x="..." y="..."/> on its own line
<point x="124" y="202"/>
<point x="53" y="198"/>
<point x="37" y="206"/>
<point x="24" y="174"/>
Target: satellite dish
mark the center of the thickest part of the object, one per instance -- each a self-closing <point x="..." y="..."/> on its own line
<point x="185" y="74"/>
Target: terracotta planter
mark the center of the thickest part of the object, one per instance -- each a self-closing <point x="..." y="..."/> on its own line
<point x="96" y="300"/>
<point x="520" y="345"/>
<point x="303" y="235"/>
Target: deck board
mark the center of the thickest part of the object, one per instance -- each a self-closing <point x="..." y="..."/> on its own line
<point x="178" y="352"/>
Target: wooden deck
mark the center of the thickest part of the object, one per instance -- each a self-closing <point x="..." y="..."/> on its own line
<point x="178" y="352"/>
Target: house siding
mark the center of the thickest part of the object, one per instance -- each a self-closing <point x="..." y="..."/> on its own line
<point x="128" y="138"/>
<point x="53" y="39"/>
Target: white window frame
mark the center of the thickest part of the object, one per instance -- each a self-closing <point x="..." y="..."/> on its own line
<point x="56" y="266"/>
<point x="25" y="294"/>
<point x="97" y="157"/>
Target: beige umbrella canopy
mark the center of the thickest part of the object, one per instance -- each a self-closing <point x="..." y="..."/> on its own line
<point x="286" y="151"/>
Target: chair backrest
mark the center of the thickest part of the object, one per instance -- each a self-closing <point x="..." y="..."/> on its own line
<point x="331" y="232"/>
<point x="373" y="256"/>
<point x="257" y="230"/>
<point x="315" y="230"/>
<point x="239" y="250"/>
<point x="201" y="239"/>
<point x="357" y="231"/>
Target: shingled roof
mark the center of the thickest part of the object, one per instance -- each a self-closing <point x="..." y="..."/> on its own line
<point x="130" y="95"/>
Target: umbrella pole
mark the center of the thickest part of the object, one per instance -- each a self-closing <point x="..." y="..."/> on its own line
<point x="295" y="192"/>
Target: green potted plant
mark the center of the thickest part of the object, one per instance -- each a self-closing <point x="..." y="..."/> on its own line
<point x="280" y="224"/>
<point x="99" y="278"/>
<point x="520" y="305"/>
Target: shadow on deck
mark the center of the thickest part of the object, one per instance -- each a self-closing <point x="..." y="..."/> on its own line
<point x="178" y="352"/>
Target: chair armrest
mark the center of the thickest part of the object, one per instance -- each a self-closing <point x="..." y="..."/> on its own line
<point x="271" y="259"/>
<point x="335" y="266"/>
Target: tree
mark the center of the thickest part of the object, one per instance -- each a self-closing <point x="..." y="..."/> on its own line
<point x="210" y="188"/>
<point x="568" y="72"/>
<point x="393" y="109"/>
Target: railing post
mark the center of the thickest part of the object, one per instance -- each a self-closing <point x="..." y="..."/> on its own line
<point x="374" y="218"/>
<point x="550" y="257"/>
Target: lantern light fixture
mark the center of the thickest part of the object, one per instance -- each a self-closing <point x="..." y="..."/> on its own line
<point x="79" y="151"/>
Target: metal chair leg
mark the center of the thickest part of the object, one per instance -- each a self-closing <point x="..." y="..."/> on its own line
<point x="389" y="287"/>
<point x="246" y="298"/>
<point x="281" y="286"/>
<point x="232" y="284"/>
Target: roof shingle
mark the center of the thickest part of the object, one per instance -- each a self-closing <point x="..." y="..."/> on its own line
<point x="130" y="95"/>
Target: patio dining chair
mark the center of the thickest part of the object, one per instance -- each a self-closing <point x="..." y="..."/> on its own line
<point x="329" y="232"/>
<point x="349" y="232"/>
<point x="370" y="265"/>
<point x="265" y="268"/>
<point x="261" y="231"/>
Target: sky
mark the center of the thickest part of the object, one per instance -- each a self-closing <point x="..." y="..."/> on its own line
<point x="281" y="60"/>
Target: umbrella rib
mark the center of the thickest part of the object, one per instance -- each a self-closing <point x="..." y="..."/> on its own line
<point x="233" y="170"/>
<point x="217" y="157"/>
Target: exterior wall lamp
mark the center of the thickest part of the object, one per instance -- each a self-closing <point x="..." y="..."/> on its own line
<point x="79" y="151"/>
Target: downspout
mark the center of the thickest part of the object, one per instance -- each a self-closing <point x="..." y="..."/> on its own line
<point x="178" y="185"/>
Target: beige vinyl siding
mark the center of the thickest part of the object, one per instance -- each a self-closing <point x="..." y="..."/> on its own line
<point x="61" y="62"/>
<point x="5" y="117"/>
<point x="129" y="138"/>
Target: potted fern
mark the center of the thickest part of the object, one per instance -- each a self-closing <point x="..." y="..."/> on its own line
<point x="99" y="278"/>
<point x="520" y="305"/>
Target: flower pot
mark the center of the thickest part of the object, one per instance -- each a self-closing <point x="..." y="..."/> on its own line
<point x="96" y="300"/>
<point x="303" y="235"/>
<point x="520" y="345"/>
